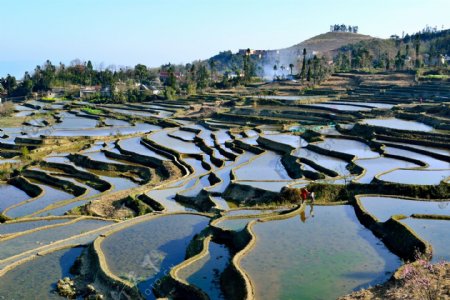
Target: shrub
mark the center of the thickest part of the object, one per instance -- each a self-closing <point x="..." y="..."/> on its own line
<point x="6" y="108"/>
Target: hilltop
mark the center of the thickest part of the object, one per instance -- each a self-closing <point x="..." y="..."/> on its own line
<point x="326" y="43"/>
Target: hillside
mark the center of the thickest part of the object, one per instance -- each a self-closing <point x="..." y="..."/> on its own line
<point x="326" y="43"/>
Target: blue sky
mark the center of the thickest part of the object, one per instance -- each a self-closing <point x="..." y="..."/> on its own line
<point x="154" y="32"/>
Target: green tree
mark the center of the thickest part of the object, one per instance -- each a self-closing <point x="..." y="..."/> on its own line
<point x="212" y="69"/>
<point x="303" y="72"/>
<point x="140" y="72"/>
<point x="170" y="93"/>
<point x="315" y="65"/>
<point x="247" y="66"/>
<point x="417" y="47"/>
<point x="172" y="79"/>
<point x="308" y="76"/>
<point x="9" y="83"/>
<point x="25" y="87"/>
<point x="291" y="67"/>
<point x="202" y="77"/>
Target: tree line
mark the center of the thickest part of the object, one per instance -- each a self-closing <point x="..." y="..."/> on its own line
<point x="414" y="51"/>
<point x="344" y="28"/>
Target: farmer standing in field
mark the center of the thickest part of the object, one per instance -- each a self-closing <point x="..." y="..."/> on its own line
<point x="304" y="194"/>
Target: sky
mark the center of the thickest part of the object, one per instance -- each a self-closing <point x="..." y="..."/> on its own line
<point x="154" y="32"/>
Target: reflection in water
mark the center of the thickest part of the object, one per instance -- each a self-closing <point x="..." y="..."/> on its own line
<point x="303" y="215"/>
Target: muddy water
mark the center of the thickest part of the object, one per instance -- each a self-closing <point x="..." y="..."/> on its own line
<point x="317" y="255"/>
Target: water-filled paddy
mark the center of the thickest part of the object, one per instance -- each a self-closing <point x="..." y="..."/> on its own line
<point x="184" y="135"/>
<point x="118" y="183"/>
<point x="106" y="131"/>
<point x="385" y="207"/>
<point x="8" y="228"/>
<point x="205" y="273"/>
<point x="416" y="176"/>
<point x="149" y="249"/>
<point x="224" y="173"/>
<point x="395" y="123"/>
<point x="329" y="162"/>
<point x="134" y="145"/>
<point x="162" y="138"/>
<point x="196" y="164"/>
<point x="274" y="186"/>
<point x="370" y="104"/>
<point x="62" y="210"/>
<point x="320" y="256"/>
<point x="37" y="278"/>
<point x="71" y="121"/>
<point x="10" y="195"/>
<point x="291" y="140"/>
<point x="38" y="239"/>
<point x="50" y="196"/>
<point x="356" y="148"/>
<point x="343" y="107"/>
<point x="379" y="165"/>
<point x="421" y="147"/>
<point x="220" y="203"/>
<point x="222" y="136"/>
<point x="234" y="224"/>
<point x="433" y="163"/>
<point x="267" y="166"/>
<point x="436" y="232"/>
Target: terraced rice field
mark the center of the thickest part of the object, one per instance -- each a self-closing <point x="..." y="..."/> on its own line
<point x="166" y="205"/>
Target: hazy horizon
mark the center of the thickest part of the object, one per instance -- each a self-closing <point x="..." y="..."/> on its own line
<point x="126" y="33"/>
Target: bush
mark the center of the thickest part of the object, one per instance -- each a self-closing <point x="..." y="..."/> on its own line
<point x="291" y="195"/>
<point x="25" y="152"/>
<point x="6" y="109"/>
<point x="170" y="93"/>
